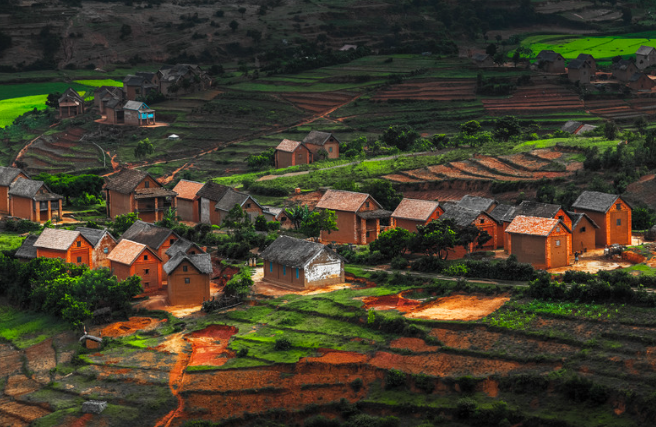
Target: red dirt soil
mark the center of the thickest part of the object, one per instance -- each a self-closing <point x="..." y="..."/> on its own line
<point x="134" y="324"/>
<point x="210" y="345"/>
<point x="391" y="302"/>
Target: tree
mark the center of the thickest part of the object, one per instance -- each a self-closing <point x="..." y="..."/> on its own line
<point x="318" y="221"/>
<point x="392" y="242"/>
<point x="641" y="124"/>
<point x="499" y="58"/>
<point x="472" y="234"/>
<point x="435" y="238"/>
<point x="470" y="128"/>
<point x="240" y="284"/>
<point x="546" y="194"/>
<point x="53" y="100"/>
<point x="400" y="136"/>
<point x="233" y="25"/>
<point x="297" y="215"/>
<point x="491" y="49"/>
<point x="126" y="30"/>
<point x="170" y="218"/>
<point x="643" y="218"/>
<point x="384" y="193"/>
<point x="610" y="130"/>
<point x="242" y="10"/>
<point x="256" y="35"/>
<point x="122" y="223"/>
<point x="236" y="218"/>
<point x="506" y="127"/>
<point x="143" y="149"/>
<point x="261" y="223"/>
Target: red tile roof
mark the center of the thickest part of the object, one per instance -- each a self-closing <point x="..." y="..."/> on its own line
<point x="419" y="210"/>
<point x="339" y="200"/>
<point x="532" y="225"/>
<point x="288" y="145"/>
<point x="187" y="189"/>
<point x="126" y="252"/>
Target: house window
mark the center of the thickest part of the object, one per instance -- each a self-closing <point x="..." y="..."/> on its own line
<point x="146" y="270"/>
<point x="187" y="281"/>
<point x="79" y="259"/>
<point x="78" y="243"/>
<point x="481" y="221"/>
<point x="618" y="206"/>
<point x="171" y="241"/>
<point x="297" y="273"/>
<point x="558" y="229"/>
<point x="330" y="149"/>
<point x="560" y="217"/>
<point x="145" y="257"/>
<point x="248" y="205"/>
<point x="582" y="230"/>
<point x="193" y="252"/>
<point x="283" y="219"/>
<point x="106" y="250"/>
<point x="619" y="222"/>
<point x="367" y="204"/>
<point x="557" y="242"/>
<point x="184" y="268"/>
<point x="284" y="270"/>
<point x="270" y="267"/>
<point x="367" y="234"/>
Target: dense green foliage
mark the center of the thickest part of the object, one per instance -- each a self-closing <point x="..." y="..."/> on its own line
<point x="71" y="186"/>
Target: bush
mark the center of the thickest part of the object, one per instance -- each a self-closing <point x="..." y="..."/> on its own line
<point x="424" y="382"/>
<point x="394" y="379"/>
<point x="466" y="407"/>
<point x="356" y="384"/>
<point x="455" y="270"/>
<point x="22" y="226"/>
<point x="282" y="344"/>
<point x="242" y="352"/>
<point x="399" y="263"/>
<point x="320" y="421"/>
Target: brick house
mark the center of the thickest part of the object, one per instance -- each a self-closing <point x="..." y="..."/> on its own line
<point x="131" y="258"/>
<point x="358" y="217"/>
<point x="623" y="70"/>
<point x="71" y="246"/>
<point x="139" y="85"/>
<point x="71" y="104"/>
<point x="300" y="264"/>
<point x="645" y="57"/>
<point x="243" y="200"/>
<point x="316" y="141"/>
<point x="7" y="177"/>
<point x="482" y="60"/>
<point x="158" y="239"/>
<point x="188" y="278"/>
<point x="291" y="153"/>
<point x="543" y="242"/>
<point x="413" y="212"/>
<point x="137" y="113"/>
<point x="114" y="114"/>
<point x="33" y="200"/>
<point x="210" y="194"/>
<point x="538" y="210"/>
<point x="589" y="59"/>
<point x="640" y="81"/>
<point x="463" y="217"/>
<point x="182" y="79"/>
<point x="277" y="214"/>
<point x="583" y="232"/>
<point x="184" y="246"/>
<point x="102" y="242"/>
<point x="551" y="62"/>
<point x="187" y="200"/>
<point x="105" y="94"/>
<point x="500" y="213"/>
<point x="578" y="70"/>
<point x="610" y="212"/>
<point x="27" y="251"/>
<point x="131" y="190"/>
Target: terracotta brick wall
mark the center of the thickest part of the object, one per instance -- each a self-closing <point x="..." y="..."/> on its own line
<point x="187" y="210"/>
<point x="22" y="208"/>
<point x="192" y="293"/>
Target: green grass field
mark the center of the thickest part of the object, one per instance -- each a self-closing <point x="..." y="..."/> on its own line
<point x="24" y="329"/>
<point x="599" y="47"/>
<point x="99" y="83"/>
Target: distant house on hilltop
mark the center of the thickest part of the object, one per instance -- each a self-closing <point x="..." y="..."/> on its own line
<point x="482" y="60"/>
<point x="291" y="153"/>
<point x="309" y="150"/>
<point x="550" y="62"/>
<point x="578" y="70"/>
<point x="137" y="113"/>
<point x="645" y="57"/>
<point x="412" y="212"/>
<point x="623" y="70"/>
<point x="640" y="81"/>
<point x="104" y="94"/>
<point x="7" y="177"/>
<point x="316" y="141"/>
<point x="577" y="128"/>
<point x="183" y="78"/>
<point x="140" y="85"/>
<point x="71" y="104"/>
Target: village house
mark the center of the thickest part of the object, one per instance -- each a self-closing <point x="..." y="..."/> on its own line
<point x="210" y="195"/>
<point x="645" y="57"/>
<point x="542" y="242"/>
<point x="277" y="214"/>
<point x="316" y="141"/>
<point x="589" y="59"/>
<point x="158" y="239"/>
<point x="291" y="153"/>
<point x="137" y="113"/>
<point x="102" y="242"/>
<point x="71" y="104"/>
<point x="33" y="200"/>
<point x="140" y="85"/>
<point x="640" y="81"/>
<point x="551" y="62"/>
<point x="7" y="177"/>
<point x="243" y="200"/>
<point x="132" y="190"/>
<point x="113" y="111"/>
<point x="131" y="258"/>
<point x="482" y="60"/>
<point x="500" y="213"/>
<point x="184" y="246"/>
<point x="583" y="232"/>
<point x="577" y="128"/>
<point x="578" y="70"/>
<point x="463" y="217"/>
<point x="103" y="95"/>
<point x="413" y="212"/>
<point x="610" y="212"/>
<point x="27" y="251"/>
<point x="183" y="79"/>
<point x="187" y="200"/>
<point x="300" y="264"/>
<point x="188" y="278"/>
<point x="70" y="246"/>
<point x="538" y="210"/>
<point x="358" y="217"/>
<point x="477" y="203"/>
<point x="623" y="70"/>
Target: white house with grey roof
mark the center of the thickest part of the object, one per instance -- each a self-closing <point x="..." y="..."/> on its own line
<point x="645" y="57"/>
<point x="300" y="264"/>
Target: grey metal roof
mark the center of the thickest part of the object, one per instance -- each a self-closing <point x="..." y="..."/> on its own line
<point x="375" y="214"/>
<point x="202" y="262"/>
<point x="476" y="203"/>
<point x="536" y="209"/>
<point x="213" y="191"/>
<point x="25" y="187"/>
<point x="571" y="126"/>
<point x="147" y="234"/>
<point x="577" y="217"/>
<point x="27" y="250"/>
<point x="7" y="175"/>
<point x="501" y="212"/>
<point x="461" y="216"/>
<point x="182" y="245"/>
<point x="548" y="56"/>
<point x="635" y="77"/>
<point x="125" y="181"/>
<point x="135" y="105"/>
<point x="94" y="235"/>
<point x="480" y="57"/>
<point x="71" y="93"/>
<point x="585" y="57"/>
<point x="295" y="253"/>
<point x="644" y="50"/>
<point x="595" y="201"/>
<point x="316" y="137"/>
<point x="576" y="64"/>
<point x="622" y="65"/>
<point x="230" y="199"/>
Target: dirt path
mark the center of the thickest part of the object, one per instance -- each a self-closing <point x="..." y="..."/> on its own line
<point x="176" y="380"/>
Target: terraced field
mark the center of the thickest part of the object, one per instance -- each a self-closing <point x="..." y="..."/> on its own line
<point x="430" y="90"/>
<point x="541" y="98"/>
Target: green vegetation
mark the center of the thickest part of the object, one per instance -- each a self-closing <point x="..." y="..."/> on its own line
<point x="24" y="329"/>
<point x="99" y="83"/>
<point x="10" y="241"/>
<point x="599" y="47"/>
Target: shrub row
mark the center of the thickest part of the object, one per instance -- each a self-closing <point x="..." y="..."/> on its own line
<point x="508" y="269"/>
